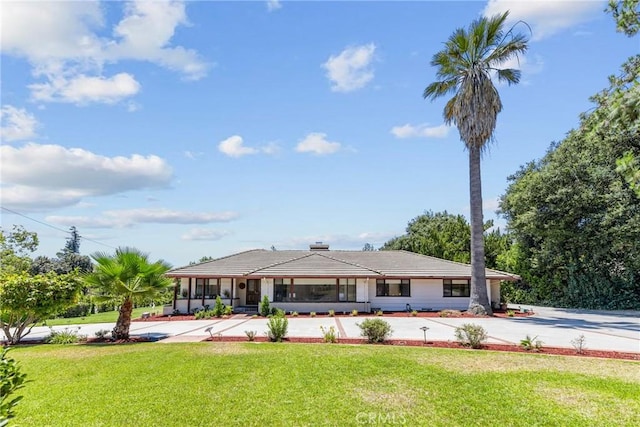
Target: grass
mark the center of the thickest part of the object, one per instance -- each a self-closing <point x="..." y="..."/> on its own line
<point x="104" y="317"/>
<point x="202" y="384"/>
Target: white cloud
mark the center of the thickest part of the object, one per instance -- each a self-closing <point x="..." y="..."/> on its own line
<point x="350" y="70"/>
<point x="546" y="17"/>
<point x="205" y="234"/>
<point x="420" y="131"/>
<point x="16" y="124"/>
<point x="130" y="217"/>
<point x="273" y="5"/>
<point x="317" y="143"/>
<point x="82" y="89"/>
<point x="234" y="147"/>
<point x="67" y="45"/>
<point x="193" y="154"/>
<point x="46" y="176"/>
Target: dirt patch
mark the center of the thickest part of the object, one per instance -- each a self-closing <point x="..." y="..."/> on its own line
<point x="443" y="313"/>
<point x="448" y="344"/>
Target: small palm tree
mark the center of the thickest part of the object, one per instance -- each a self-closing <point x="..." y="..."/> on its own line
<point x="124" y="278"/>
<point x="464" y="69"/>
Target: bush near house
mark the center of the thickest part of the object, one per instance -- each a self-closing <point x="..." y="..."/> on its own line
<point x="375" y="330"/>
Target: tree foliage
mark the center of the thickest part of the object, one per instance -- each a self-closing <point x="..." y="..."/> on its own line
<point x="575" y="219"/>
<point x="15" y="248"/>
<point x="126" y="277"/>
<point x="471" y="58"/>
<point x="447" y="236"/>
<point x="627" y="15"/>
<point x="11" y="380"/>
<point x="26" y="300"/>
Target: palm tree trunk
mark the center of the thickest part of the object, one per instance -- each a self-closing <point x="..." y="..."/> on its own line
<point x="479" y="300"/>
<point x="121" y="330"/>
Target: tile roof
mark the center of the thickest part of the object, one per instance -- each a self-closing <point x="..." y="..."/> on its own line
<point x="264" y="263"/>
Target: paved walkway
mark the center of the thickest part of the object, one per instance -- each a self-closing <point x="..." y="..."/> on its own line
<point x="619" y="331"/>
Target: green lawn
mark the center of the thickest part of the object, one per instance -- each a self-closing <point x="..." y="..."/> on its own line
<point x="105" y="317"/>
<point x="205" y="384"/>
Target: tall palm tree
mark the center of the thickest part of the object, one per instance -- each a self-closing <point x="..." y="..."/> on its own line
<point x="465" y="68"/>
<point x="124" y="278"/>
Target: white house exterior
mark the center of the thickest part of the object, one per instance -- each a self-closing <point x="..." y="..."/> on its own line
<point x="320" y="280"/>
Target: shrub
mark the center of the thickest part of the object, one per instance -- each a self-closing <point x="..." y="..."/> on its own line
<point x="66" y="336"/>
<point x="251" y="335"/>
<point x="510" y="313"/>
<point x="530" y="344"/>
<point x="375" y="330"/>
<point x="102" y="334"/>
<point x="228" y="310"/>
<point x="278" y="326"/>
<point x="329" y="335"/>
<point x="332" y="313"/>
<point x="449" y="313"/>
<point x="471" y="335"/>
<point x="312" y="314"/>
<point x="202" y="314"/>
<point x="579" y="343"/>
<point x="414" y="313"/>
<point x="379" y="313"/>
<point x="294" y="314"/>
<point x="218" y="308"/>
<point x="354" y="312"/>
<point x="11" y="380"/>
<point x="265" y="308"/>
<point x="79" y="310"/>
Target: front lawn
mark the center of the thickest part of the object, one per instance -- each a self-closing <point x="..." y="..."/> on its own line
<point x="104" y="317"/>
<point x="205" y="384"/>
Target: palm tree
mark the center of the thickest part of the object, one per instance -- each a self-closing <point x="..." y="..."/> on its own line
<point x="124" y="278"/>
<point x="465" y="68"/>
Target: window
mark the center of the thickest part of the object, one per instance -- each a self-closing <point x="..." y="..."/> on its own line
<point x="347" y="290"/>
<point x="455" y="288"/>
<point x="281" y="290"/>
<point x="314" y="290"/>
<point x="393" y="288"/>
<point x="208" y="286"/>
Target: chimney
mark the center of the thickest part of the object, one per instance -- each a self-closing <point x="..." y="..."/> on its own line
<point x="318" y="246"/>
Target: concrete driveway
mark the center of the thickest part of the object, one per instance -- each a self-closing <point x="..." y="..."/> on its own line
<point x="603" y="330"/>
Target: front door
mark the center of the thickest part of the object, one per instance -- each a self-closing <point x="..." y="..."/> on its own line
<point x="253" y="291"/>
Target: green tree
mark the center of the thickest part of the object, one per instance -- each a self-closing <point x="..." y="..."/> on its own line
<point x="125" y="278"/>
<point x="575" y="219"/>
<point x="627" y="15"/>
<point x="26" y="300"/>
<point x="15" y="247"/>
<point x="447" y="236"/>
<point x="464" y="69"/>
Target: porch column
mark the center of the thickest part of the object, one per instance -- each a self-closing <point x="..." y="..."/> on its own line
<point x="189" y="298"/>
<point x="233" y="285"/>
<point x="175" y="292"/>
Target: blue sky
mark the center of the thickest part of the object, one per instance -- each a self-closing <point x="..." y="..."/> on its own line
<point x="188" y="129"/>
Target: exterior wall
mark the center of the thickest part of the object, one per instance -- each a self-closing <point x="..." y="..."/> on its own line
<point x="196" y="304"/>
<point x="266" y="288"/>
<point x="494" y="294"/>
<point x="426" y="294"/>
<point x="324" y="307"/>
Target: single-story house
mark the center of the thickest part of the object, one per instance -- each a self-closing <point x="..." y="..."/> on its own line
<point x="320" y="280"/>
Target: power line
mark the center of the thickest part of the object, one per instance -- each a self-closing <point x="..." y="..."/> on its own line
<point x="55" y="228"/>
